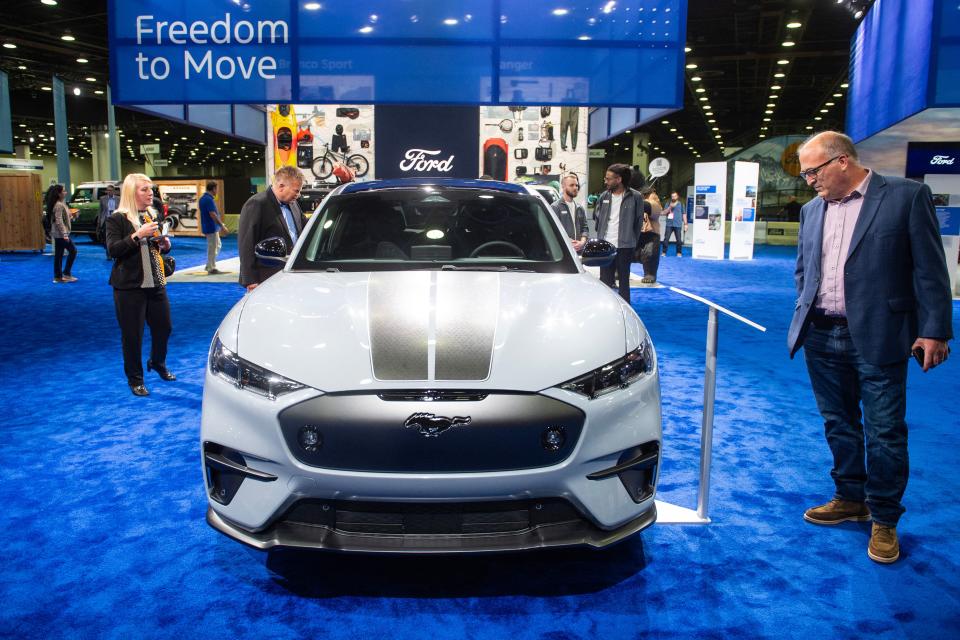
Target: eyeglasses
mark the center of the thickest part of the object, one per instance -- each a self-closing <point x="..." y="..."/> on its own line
<point x="812" y="173"/>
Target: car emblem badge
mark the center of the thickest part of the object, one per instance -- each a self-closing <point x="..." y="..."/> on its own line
<point x="430" y="426"/>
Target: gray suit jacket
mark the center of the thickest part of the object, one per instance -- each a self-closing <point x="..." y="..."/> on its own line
<point x="261" y="218"/>
<point x="575" y="229"/>
<point x="631" y="218"/>
<point x="897" y="287"/>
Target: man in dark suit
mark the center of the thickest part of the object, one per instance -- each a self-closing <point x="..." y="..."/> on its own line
<point x="619" y="219"/>
<point x="873" y="286"/>
<point x="272" y="213"/>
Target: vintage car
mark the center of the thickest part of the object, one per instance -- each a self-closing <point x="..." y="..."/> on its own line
<point x="432" y="371"/>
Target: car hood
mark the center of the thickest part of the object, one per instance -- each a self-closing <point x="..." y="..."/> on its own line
<point x="436" y="329"/>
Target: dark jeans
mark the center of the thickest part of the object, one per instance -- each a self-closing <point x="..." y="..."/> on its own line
<point x="134" y="307"/>
<point x="620" y="268"/>
<point x="59" y="245"/>
<point x="678" y="239"/>
<point x="842" y="381"/>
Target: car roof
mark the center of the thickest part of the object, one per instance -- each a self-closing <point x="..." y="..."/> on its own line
<point x="412" y="183"/>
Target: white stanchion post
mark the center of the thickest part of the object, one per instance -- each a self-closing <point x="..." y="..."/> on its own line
<point x="673" y="514"/>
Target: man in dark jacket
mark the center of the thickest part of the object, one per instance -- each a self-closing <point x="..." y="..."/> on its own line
<point x="272" y="213"/>
<point x="872" y="286"/>
<point x="619" y="219"/>
<point x="572" y="216"/>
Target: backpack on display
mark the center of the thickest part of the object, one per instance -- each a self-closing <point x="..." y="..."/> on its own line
<point x="544" y="112"/>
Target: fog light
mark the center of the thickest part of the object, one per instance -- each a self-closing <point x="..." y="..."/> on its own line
<point x="310" y="438"/>
<point x="553" y="438"/>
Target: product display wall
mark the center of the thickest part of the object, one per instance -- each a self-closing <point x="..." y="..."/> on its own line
<point x="312" y="137"/>
<point x="533" y="143"/>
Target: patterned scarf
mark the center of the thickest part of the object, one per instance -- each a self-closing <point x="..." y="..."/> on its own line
<point x="156" y="262"/>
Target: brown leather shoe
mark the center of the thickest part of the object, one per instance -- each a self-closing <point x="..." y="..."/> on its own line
<point x="884" y="546"/>
<point x="837" y="511"/>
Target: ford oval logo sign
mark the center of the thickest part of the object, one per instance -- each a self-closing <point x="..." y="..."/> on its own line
<point x="431" y="426"/>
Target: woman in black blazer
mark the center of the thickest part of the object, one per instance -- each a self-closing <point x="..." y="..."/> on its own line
<point x="139" y="286"/>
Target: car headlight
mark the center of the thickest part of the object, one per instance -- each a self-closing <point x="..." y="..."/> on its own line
<point x="246" y="375"/>
<point x="619" y="374"/>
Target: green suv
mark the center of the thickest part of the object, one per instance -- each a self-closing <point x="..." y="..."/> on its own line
<point x="86" y="201"/>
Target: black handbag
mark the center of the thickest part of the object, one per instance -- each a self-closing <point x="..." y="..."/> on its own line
<point x="544" y="112"/>
<point x="169" y="265"/>
<point x="521" y="170"/>
<point x="543" y="154"/>
<point x="348" y="112"/>
<point x="520" y="154"/>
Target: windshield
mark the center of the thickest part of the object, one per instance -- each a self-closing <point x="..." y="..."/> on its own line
<point x="434" y="227"/>
<point x="82" y="194"/>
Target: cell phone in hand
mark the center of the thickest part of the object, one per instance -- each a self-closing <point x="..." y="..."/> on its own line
<point x="918" y="355"/>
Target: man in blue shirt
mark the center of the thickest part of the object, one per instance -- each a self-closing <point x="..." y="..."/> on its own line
<point x="211" y="223"/>
<point x="675" y="221"/>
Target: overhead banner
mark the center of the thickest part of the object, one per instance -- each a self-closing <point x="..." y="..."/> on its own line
<point x="419" y="51"/>
<point x="709" y="209"/>
<point x="746" y="177"/>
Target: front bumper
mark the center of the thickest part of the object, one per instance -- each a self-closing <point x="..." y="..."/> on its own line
<point x="245" y="434"/>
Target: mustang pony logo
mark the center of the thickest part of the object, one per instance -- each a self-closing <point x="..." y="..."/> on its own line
<point x="431" y="426"/>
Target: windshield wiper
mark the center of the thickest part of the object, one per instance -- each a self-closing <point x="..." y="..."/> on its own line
<point x="453" y="267"/>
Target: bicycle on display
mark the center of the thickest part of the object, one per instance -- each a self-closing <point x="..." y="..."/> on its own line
<point x="322" y="167"/>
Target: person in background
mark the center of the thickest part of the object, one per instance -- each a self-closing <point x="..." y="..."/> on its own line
<point x="648" y="248"/>
<point x="108" y="204"/>
<point x="572" y="216"/>
<point x="60" y="218"/>
<point x="139" y="285"/>
<point x="872" y="286"/>
<point x="674" y="221"/>
<point x="620" y="214"/>
<point x="273" y="213"/>
<point x="791" y="210"/>
<point x="211" y="223"/>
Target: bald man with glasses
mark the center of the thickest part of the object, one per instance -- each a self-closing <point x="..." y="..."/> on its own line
<point x="872" y="286"/>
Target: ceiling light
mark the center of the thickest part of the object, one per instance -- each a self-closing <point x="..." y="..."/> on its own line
<point x="695" y="79"/>
<point x="687" y="49"/>
<point x="818" y="118"/>
<point x="771" y="104"/>
<point x="838" y="95"/>
<point x="366" y="29"/>
<point x="583" y="38"/>
<point x="82" y="60"/>
<point x="762" y="135"/>
<point x="691" y="66"/>
<point x="90" y="79"/>
<point x="67" y="37"/>
<point x="46" y="88"/>
<point x="829" y="104"/>
<point x="715" y="128"/>
<point x="718" y="136"/>
<point x="776" y="87"/>
<point x="766" y="119"/>
<point x="76" y="91"/>
<point x="711" y="120"/>
<point x="701" y="90"/>
<point x="664" y="122"/>
<point x="673" y="129"/>
<point x="769" y="111"/>
<point x="844" y="85"/>
<point x="9" y="45"/>
<point x="22" y="68"/>
<point x="708" y="113"/>
<point x="312" y="6"/>
<point x="450" y="22"/>
<point x="561" y="12"/>
<point x="824" y="110"/>
<point x="784" y="61"/>
<point x="779" y="75"/>
<point x="794" y="25"/>
<point x="789" y="43"/>
<point x="809" y="126"/>
<point x="858" y="14"/>
<point x="703" y="99"/>
<point x="98" y="92"/>
<point x="679" y="137"/>
<point x="49" y="3"/>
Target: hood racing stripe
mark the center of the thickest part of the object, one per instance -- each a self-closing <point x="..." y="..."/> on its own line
<point x="467" y="311"/>
<point x="399" y="314"/>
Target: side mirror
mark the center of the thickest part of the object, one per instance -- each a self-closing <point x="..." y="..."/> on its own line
<point x="272" y="251"/>
<point x="598" y="253"/>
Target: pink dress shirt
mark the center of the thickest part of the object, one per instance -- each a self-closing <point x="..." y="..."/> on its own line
<point x="839" y="221"/>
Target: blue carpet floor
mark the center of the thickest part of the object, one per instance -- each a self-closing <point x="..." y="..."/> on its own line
<point x="103" y="504"/>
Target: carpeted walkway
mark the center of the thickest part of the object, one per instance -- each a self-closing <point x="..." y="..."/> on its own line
<point x="103" y="499"/>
